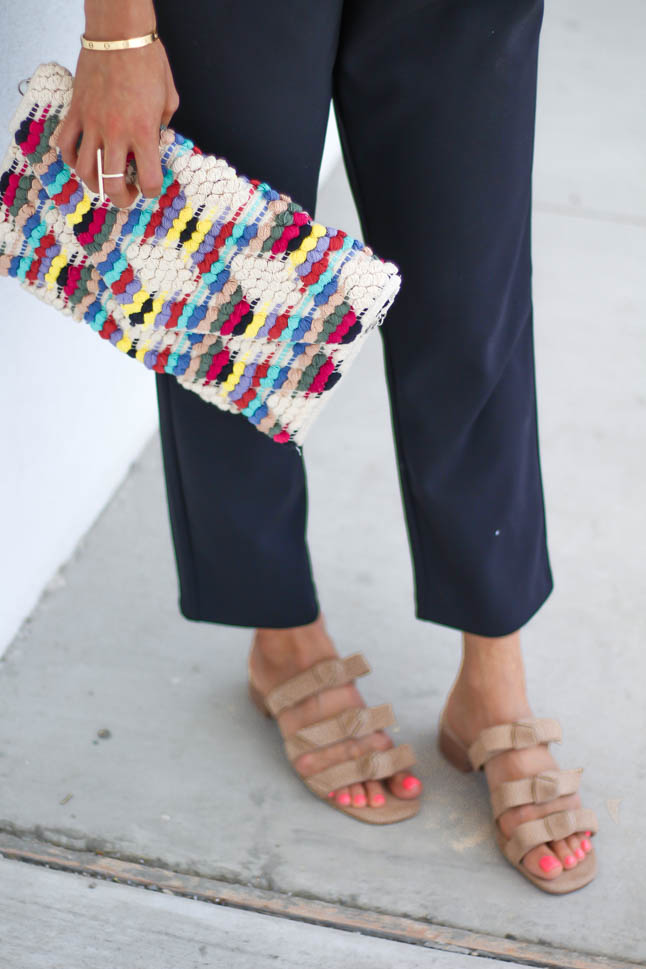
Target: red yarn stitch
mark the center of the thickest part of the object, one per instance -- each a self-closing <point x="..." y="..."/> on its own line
<point x="219" y="361"/>
<point x="319" y="382"/>
<point x="239" y="311"/>
<point x="175" y="312"/>
<point x="161" y="361"/>
<point x="317" y="270"/>
<point x="32" y="140"/>
<point x="259" y="373"/>
<point x="73" y="277"/>
<point x="127" y="276"/>
<point x="348" y="320"/>
<point x="95" y="226"/>
<point x="108" y="328"/>
<point x="163" y="203"/>
<point x="246" y="398"/>
<point x="336" y="242"/>
<point x="12" y="187"/>
<point x="281" y="322"/>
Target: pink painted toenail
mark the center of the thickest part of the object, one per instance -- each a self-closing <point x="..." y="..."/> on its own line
<point x="580" y="853"/>
<point x="378" y="799"/>
<point x="410" y="783"/>
<point x="343" y="798"/>
<point x="585" y="844"/>
<point x="360" y="801"/>
<point x="331" y="794"/>
<point x="588" y="834"/>
<point x="548" y="863"/>
<point x="569" y="861"/>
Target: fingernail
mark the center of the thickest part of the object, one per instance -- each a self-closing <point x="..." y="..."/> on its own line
<point x="548" y="863"/>
<point x="580" y="853"/>
<point x="359" y="801"/>
<point x="569" y="861"/>
<point x="343" y="798"/>
<point x="378" y="799"/>
<point x="410" y="783"/>
<point x="585" y="844"/>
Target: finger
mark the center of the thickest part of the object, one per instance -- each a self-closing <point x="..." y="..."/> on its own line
<point x="147" y="159"/>
<point x="85" y="166"/>
<point x="68" y="138"/>
<point x="117" y="190"/>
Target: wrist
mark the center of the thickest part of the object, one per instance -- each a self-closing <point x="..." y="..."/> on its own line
<point x="118" y="19"/>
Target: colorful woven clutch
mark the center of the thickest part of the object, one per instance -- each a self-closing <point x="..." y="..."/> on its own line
<point x="221" y="281"/>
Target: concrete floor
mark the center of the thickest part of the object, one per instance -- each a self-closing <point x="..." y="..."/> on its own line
<point x="107" y="648"/>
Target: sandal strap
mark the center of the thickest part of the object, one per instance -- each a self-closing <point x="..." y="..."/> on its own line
<point x="370" y="766"/>
<point x="353" y="722"/>
<point x="512" y="736"/>
<point x="538" y="789"/>
<point x="560" y="824"/>
<point x="326" y="673"/>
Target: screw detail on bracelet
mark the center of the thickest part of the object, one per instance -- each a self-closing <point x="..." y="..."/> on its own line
<point x="126" y="44"/>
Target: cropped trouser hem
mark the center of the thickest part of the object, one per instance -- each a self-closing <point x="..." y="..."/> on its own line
<point x="492" y="626"/>
<point x="251" y="619"/>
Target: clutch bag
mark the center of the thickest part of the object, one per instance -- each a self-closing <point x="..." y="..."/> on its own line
<point x="221" y="281"/>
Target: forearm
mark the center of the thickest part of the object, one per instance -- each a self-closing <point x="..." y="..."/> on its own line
<point x="117" y="19"/>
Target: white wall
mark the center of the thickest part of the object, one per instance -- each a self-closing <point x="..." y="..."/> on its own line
<point x="75" y="411"/>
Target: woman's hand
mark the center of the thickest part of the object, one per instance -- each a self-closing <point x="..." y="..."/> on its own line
<point x="119" y="101"/>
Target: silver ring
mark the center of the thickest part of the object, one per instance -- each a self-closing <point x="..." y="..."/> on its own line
<point x="102" y="174"/>
<point x="25" y="80"/>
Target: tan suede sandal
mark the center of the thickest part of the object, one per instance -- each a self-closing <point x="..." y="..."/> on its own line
<point x="352" y="722"/>
<point x="537" y="789"/>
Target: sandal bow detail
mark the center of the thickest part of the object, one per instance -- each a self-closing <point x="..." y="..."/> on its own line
<point x="351" y="722"/>
<point x="535" y="789"/>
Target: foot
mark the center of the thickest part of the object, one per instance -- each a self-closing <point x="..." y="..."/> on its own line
<point x="278" y="654"/>
<point x="490" y="690"/>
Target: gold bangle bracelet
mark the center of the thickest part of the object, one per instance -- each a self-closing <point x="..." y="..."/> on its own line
<point x="120" y="44"/>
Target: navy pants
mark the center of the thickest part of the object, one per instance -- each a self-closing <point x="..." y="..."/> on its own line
<point x="435" y="102"/>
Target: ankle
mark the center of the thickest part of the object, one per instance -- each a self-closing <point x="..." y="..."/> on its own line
<point x="490" y="685"/>
<point x="284" y="646"/>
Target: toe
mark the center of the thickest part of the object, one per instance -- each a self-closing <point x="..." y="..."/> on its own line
<point x="586" y="844"/>
<point x="343" y="796"/>
<point x="543" y="862"/>
<point x="405" y="785"/>
<point x="375" y="792"/>
<point x="575" y="847"/>
<point x="564" y="853"/>
<point x="358" y="795"/>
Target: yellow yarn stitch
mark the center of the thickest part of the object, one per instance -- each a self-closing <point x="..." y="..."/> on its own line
<point x="179" y="224"/>
<point x="299" y="255"/>
<point x="197" y="238"/>
<point x="138" y="299"/>
<point x="82" y="207"/>
<point x="152" y="314"/>
<point x="124" y="344"/>
<point x="257" y="322"/>
<point x="234" y="377"/>
<point x="57" y="264"/>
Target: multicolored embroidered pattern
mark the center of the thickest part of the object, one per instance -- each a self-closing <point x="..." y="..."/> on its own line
<point x="221" y="281"/>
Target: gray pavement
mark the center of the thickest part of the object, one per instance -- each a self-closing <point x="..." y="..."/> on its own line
<point x="107" y="648"/>
<point x="166" y="931"/>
